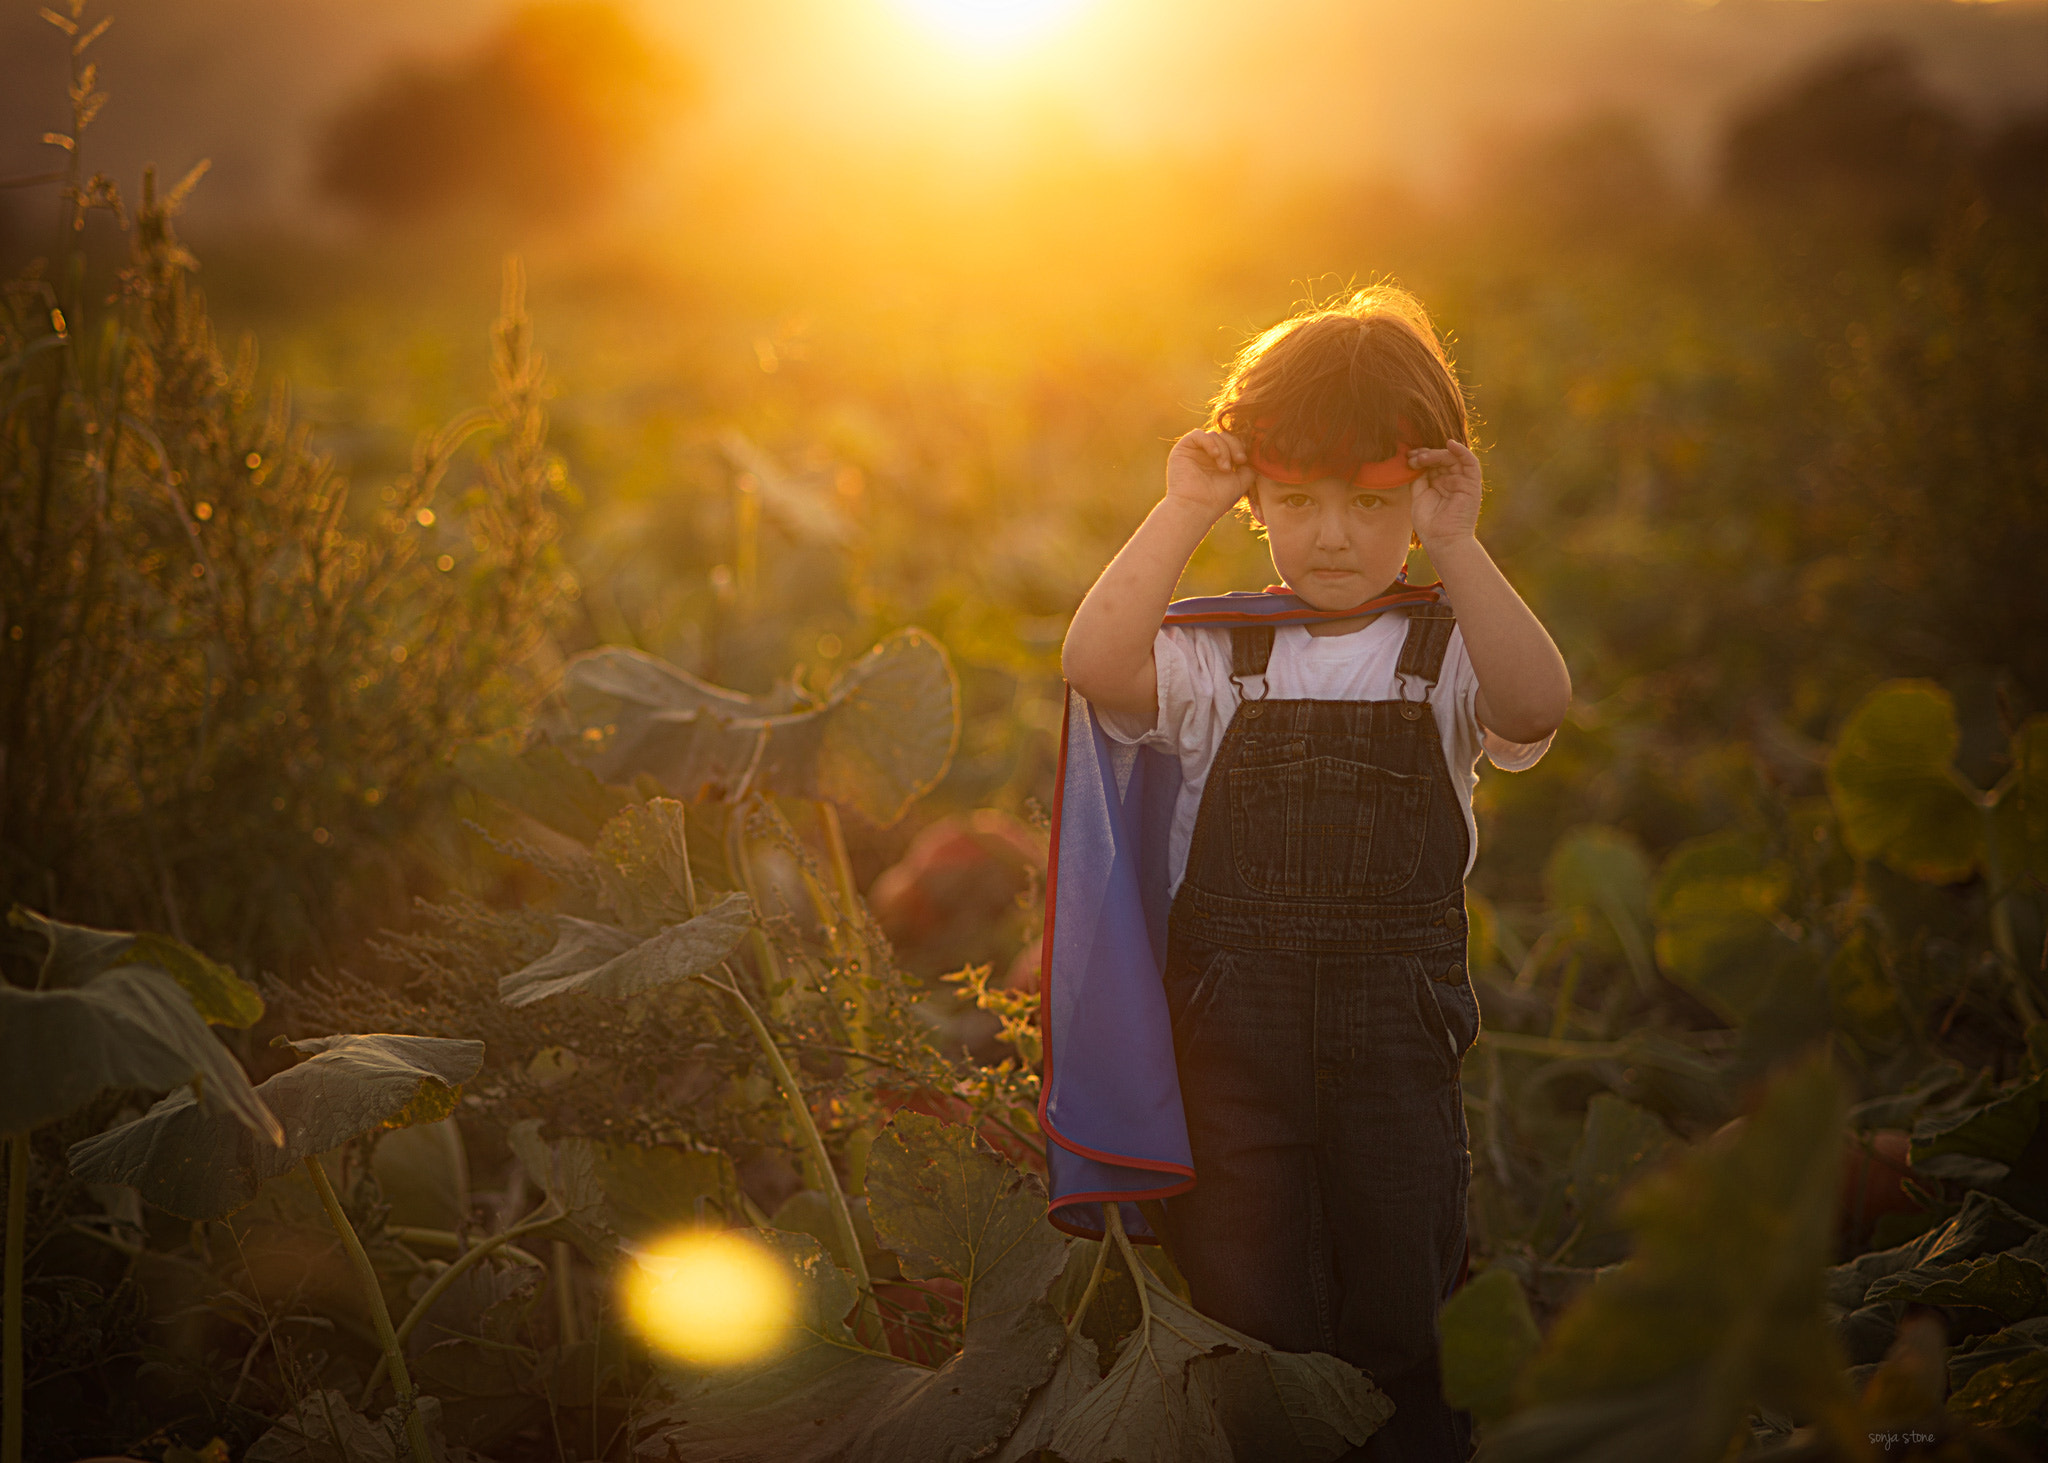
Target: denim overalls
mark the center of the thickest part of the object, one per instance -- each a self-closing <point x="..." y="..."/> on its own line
<point x="1315" y="975"/>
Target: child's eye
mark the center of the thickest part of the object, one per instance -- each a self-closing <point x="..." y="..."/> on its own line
<point x="1296" y="500"/>
<point x="1368" y="500"/>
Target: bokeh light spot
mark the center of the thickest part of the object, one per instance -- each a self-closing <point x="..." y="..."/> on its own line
<point x="708" y="1297"/>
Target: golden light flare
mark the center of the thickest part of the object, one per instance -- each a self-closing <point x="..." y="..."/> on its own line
<point x="708" y="1297"/>
<point x="991" y="25"/>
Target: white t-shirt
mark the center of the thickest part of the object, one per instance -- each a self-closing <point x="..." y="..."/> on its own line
<point x="1197" y="702"/>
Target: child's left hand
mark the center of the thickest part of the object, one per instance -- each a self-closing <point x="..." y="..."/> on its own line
<point x="1444" y="503"/>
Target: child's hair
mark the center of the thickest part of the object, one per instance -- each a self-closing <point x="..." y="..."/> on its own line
<point x="1344" y="384"/>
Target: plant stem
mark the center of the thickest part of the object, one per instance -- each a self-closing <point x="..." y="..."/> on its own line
<point x="1094" y="1280"/>
<point x="567" y="1332"/>
<point x="807" y="1128"/>
<point x="1113" y="1214"/>
<point x="1997" y="894"/>
<point x="380" y="1315"/>
<point x="462" y="1264"/>
<point x="17" y="1223"/>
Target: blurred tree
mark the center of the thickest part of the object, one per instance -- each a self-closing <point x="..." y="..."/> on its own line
<point x="543" y="119"/>
<point x="1857" y="138"/>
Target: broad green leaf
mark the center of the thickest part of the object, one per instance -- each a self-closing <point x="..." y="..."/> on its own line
<point x="1151" y="1406"/>
<point x="1602" y="872"/>
<point x="423" y="1172"/>
<point x="1721" y="931"/>
<point x="541" y="782"/>
<point x="1619" y="1142"/>
<point x="2009" y="1285"/>
<point x="1895" y="788"/>
<point x="190" y="1162"/>
<point x="132" y="1026"/>
<point x="828" y="1399"/>
<point x="1722" y="1296"/>
<point x="1079" y="1369"/>
<point x="325" y="1428"/>
<point x="1488" y="1336"/>
<point x="890" y="728"/>
<point x="2012" y="1396"/>
<point x="614" y="1194"/>
<point x="591" y="959"/>
<point x="1998" y="1130"/>
<point x="644" y="862"/>
<point x="945" y="1204"/>
<point x="1861" y="994"/>
<point x="882" y="738"/>
<point x="77" y="953"/>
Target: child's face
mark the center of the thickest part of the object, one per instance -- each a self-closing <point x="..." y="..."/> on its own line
<point x="1334" y="543"/>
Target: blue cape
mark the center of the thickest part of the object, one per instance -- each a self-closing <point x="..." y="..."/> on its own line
<point x="1110" y="1104"/>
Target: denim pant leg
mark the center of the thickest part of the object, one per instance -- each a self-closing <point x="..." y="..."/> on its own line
<point x="1249" y="1237"/>
<point x="1394" y="1179"/>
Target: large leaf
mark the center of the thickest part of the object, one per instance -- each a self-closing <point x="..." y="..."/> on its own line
<point x="77" y="953"/>
<point x="884" y="735"/>
<point x="1489" y="1334"/>
<point x="131" y="1026"/>
<point x="1721" y="929"/>
<point x="1619" y="1142"/>
<point x="1997" y="1130"/>
<point x="1720" y="1305"/>
<point x="950" y="1207"/>
<point x="591" y="959"/>
<point x="187" y="1160"/>
<point x="945" y="1204"/>
<point x="613" y="1194"/>
<point x="1601" y="872"/>
<point x="541" y="782"/>
<point x="1895" y="787"/>
<point x="2010" y="1286"/>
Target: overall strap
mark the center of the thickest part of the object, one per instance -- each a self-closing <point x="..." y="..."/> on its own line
<point x="1251" y="646"/>
<point x="1429" y="636"/>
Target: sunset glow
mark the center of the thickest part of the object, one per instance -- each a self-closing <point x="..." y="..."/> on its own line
<point x="991" y="25"/>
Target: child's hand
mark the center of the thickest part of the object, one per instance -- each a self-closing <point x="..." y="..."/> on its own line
<point x="1444" y="505"/>
<point x="1210" y="470"/>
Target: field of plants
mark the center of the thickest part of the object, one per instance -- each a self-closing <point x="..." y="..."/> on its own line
<point x="478" y="821"/>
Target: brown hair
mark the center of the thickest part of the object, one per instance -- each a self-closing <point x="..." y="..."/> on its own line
<point x="1344" y="384"/>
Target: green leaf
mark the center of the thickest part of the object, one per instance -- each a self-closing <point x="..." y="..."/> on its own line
<point x="2011" y="1286"/>
<point x="945" y="1204"/>
<point x="881" y="740"/>
<point x="828" y="1399"/>
<point x="1895" y="788"/>
<point x="77" y="953"/>
<point x="1602" y="871"/>
<point x="325" y="1428"/>
<point x="613" y="1195"/>
<point x="132" y="1026"/>
<point x="1721" y="930"/>
<point x="1619" y="1142"/>
<point x="591" y="959"/>
<point x="541" y="782"/>
<point x="2012" y="1396"/>
<point x="644" y="864"/>
<point x="1489" y="1334"/>
<point x="1998" y="1130"/>
<point x="423" y="1172"/>
<point x="1722" y="1298"/>
<point x="188" y="1161"/>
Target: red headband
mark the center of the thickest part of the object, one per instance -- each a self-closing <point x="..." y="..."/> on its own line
<point x="1388" y="472"/>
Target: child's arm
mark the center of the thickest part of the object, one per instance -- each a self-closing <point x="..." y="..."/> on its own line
<point x="1108" y="652"/>
<point x="1524" y="688"/>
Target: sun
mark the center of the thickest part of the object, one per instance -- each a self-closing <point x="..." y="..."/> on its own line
<point x="992" y="25"/>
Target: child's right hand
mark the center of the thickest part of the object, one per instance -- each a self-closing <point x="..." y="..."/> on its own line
<point x="1210" y="470"/>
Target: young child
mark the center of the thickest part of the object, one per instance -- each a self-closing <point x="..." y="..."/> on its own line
<point x="1325" y="736"/>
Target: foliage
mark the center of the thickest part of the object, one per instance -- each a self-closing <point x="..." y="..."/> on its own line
<point x="194" y="601"/>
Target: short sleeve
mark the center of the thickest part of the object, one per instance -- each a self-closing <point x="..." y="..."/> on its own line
<point x="1169" y="663"/>
<point x="1513" y="756"/>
